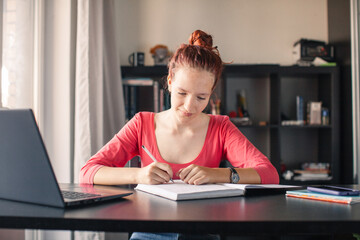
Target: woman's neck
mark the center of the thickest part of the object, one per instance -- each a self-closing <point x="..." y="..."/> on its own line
<point x="175" y="125"/>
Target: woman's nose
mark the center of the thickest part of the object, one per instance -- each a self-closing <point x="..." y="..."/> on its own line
<point x="189" y="104"/>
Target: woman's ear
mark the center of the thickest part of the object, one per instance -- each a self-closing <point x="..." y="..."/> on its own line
<point x="169" y="83"/>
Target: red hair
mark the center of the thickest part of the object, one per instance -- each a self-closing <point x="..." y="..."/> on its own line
<point x="199" y="54"/>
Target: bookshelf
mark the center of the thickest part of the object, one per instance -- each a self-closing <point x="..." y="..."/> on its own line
<point x="133" y="88"/>
<point x="271" y="92"/>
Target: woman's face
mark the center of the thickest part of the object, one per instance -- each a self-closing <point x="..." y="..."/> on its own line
<point x="190" y="91"/>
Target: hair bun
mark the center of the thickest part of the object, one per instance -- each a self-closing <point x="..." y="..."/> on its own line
<point x="201" y="38"/>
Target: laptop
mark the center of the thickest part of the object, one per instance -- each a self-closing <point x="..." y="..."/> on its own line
<point x="26" y="173"/>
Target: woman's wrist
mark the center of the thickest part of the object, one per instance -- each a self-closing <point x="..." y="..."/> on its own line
<point x="116" y="175"/>
<point x="222" y="175"/>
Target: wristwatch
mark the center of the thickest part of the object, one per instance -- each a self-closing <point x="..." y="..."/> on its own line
<point x="234" y="176"/>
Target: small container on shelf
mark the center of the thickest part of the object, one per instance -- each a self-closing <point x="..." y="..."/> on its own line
<point x="325" y="118"/>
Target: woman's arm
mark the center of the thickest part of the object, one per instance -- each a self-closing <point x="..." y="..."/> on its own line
<point x="241" y="153"/>
<point x="197" y="175"/>
<point x="155" y="173"/>
<point x="115" y="154"/>
<point x="107" y="166"/>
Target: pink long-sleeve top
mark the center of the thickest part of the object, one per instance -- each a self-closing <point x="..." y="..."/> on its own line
<point x="223" y="141"/>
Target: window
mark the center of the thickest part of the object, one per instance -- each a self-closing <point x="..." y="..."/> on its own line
<point x="17" y="53"/>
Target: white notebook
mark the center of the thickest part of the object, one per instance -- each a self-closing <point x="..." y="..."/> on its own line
<point x="182" y="191"/>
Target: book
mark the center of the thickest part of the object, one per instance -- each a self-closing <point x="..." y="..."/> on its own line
<point x="314" y="113"/>
<point x="300" y="109"/>
<point x="305" y="194"/>
<point x="180" y="190"/>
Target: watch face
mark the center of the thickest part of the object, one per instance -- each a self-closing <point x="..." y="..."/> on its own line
<point x="234" y="178"/>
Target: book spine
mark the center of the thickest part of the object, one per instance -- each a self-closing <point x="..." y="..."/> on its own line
<point x="138" y="81"/>
<point x="300" y="109"/>
<point x="156" y="96"/>
<point x="126" y="101"/>
<point x="132" y="101"/>
<point x="319" y="198"/>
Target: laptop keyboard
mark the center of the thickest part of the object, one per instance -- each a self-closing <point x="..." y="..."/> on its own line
<point x="77" y="195"/>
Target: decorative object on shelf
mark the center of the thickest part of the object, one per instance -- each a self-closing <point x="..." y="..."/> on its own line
<point x="242" y="104"/>
<point x="308" y="52"/>
<point x="241" y="117"/>
<point x="232" y="114"/>
<point x="325" y="118"/>
<point x="288" y="174"/>
<point x="215" y="105"/>
<point x="263" y="123"/>
<point x="136" y="59"/>
<point x="161" y="54"/>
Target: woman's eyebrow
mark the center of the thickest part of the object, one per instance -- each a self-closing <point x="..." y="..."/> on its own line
<point x="183" y="90"/>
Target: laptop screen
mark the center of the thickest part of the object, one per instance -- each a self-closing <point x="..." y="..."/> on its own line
<point x="25" y="173"/>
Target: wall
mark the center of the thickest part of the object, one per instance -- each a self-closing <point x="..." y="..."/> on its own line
<point x="246" y="31"/>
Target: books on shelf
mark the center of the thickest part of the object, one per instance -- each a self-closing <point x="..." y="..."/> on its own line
<point x="134" y="104"/>
<point x="305" y="194"/>
<point x="312" y="177"/>
<point x="183" y="191"/>
<point x="311" y="171"/>
<point x="315" y="114"/>
<point x="241" y="121"/>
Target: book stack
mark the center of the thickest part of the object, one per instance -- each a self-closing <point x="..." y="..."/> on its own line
<point x="313" y="172"/>
<point x="306" y="194"/>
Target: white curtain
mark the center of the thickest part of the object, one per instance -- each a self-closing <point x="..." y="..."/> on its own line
<point x="99" y="106"/>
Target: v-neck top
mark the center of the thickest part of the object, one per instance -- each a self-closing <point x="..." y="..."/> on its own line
<point x="223" y="141"/>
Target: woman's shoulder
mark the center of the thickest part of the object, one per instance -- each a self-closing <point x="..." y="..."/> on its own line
<point x="144" y="116"/>
<point x="140" y="119"/>
<point x="219" y="119"/>
<point x="222" y="124"/>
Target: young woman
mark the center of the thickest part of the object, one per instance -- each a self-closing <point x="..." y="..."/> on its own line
<point x="187" y="143"/>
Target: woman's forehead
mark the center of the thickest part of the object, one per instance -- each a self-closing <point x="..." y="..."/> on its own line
<point x="194" y="80"/>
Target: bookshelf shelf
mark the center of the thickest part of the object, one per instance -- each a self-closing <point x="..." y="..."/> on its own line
<point x="271" y="92"/>
<point x="307" y="126"/>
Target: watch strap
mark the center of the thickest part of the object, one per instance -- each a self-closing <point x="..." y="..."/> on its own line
<point x="233" y="172"/>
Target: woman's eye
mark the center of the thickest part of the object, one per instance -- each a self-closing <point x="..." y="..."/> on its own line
<point x="201" y="98"/>
<point x="181" y="93"/>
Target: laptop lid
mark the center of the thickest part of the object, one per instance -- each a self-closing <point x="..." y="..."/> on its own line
<point x="26" y="173"/>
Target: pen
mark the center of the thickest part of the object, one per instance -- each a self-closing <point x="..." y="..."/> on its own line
<point x="152" y="157"/>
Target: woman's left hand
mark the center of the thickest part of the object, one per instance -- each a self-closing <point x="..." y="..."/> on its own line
<point x="197" y="175"/>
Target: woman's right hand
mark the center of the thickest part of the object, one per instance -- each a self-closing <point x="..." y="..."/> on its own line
<point x="155" y="173"/>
